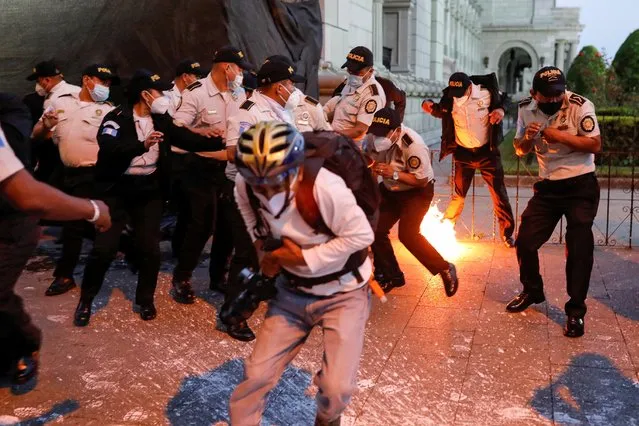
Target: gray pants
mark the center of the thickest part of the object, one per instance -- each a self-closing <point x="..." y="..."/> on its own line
<point x="289" y="320"/>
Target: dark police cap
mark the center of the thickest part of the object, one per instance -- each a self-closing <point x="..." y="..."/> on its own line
<point x="385" y="120"/>
<point x="189" y="66"/>
<point x="144" y="79"/>
<point x="458" y="83"/>
<point x="280" y="58"/>
<point x="101" y="71"/>
<point x="43" y="69"/>
<point x="358" y="58"/>
<point x="250" y="80"/>
<point x="273" y="71"/>
<point x="549" y="81"/>
<point x="232" y="55"/>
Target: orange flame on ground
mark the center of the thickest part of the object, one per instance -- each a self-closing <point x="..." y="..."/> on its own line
<point x="441" y="234"/>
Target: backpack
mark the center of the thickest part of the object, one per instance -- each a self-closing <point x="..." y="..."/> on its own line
<point x="340" y="155"/>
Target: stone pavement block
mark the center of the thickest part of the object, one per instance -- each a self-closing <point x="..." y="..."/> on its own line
<point x="432" y="342"/>
<point x="600" y="323"/>
<point x="520" y="334"/>
<point x="391" y="317"/>
<point x="467" y="297"/>
<point x="495" y="312"/>
<point x="502" y="291"/>
<point x="444" y="318"/>
<point x="505" y="402"/>
<point x="589" y="353"/>
<point x="502" y="362"/>
<point x="415" y="390"/>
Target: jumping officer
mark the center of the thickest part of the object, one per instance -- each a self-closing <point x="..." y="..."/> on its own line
<point x="471" y="110"/>
<point x="561" y="127"/>
<point x="403" y="161"/>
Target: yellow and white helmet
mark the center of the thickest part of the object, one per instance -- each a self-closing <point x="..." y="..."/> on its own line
<point x="268" y="151"/>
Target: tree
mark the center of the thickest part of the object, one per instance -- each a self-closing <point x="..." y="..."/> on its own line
<point x="587" y="73"/>
<point x="626" y="63"/>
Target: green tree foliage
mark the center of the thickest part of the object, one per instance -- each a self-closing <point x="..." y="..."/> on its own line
<point x="587" y="73"/>
<point x="626" y="63"/>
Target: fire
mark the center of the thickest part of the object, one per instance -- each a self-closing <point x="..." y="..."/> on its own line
<point x="440" y="233"/>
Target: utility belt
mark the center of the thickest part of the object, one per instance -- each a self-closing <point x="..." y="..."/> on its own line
<point x="352" y="266"/>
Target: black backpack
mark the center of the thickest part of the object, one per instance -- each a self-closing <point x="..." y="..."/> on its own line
<point x="340" y="155"/>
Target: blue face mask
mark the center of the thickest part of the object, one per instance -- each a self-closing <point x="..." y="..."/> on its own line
<point x="99" y="93"/>
<point x="355" y="81"/>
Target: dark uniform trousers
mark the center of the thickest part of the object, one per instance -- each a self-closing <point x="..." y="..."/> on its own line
<point x="79" y="182"/>
<point x="137" y="199"/>
<point x="230" y="227"/>
<point x="19" y="236"/>
<point x="409" y="207"/>
<point x="576" y="198"/>
<point x="179" y="200"/>
<point x="489" y="164"/>
<point x="203" y="186"/>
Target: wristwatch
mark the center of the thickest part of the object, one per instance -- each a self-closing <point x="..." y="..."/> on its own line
<point x="395" y="175"/>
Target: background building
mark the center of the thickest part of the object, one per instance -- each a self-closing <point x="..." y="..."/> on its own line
<point x="419" y="43"/>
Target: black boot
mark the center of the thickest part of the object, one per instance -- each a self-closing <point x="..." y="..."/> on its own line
<point x="183" y="292"/>
<point x="449" y="278"/>
<point x="390" y="282"/>
<point x="60" y="285"/>
<point x="241" y="332"/>
<point x="82" y="314"/>
<point x="148" y="312"/>
<point x="574" y="327"/>
<point x="26" y="369"/>
<point x="523" y="301"/>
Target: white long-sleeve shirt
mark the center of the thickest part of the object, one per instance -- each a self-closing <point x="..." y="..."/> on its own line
<point x="323" y="254"/>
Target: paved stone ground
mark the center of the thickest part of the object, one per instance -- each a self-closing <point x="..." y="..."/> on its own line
<point x="428" y="359"/>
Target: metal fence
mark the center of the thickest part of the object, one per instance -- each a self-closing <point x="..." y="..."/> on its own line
<point x="617" y="216"/>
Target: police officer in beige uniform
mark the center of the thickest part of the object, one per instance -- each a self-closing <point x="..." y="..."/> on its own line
<point x="187" y="73"/>
<point x="274" y="100"/>
<point x="206" y="106"/>
<point x="75" y="119"/>
<point x="308" y="114"/>
<point x="561" y="127"/>
<point x="403" y="161"/>
<point x="352" y="111"/>
<point x="50" y="82"/>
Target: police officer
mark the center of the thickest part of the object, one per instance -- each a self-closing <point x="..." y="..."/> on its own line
<point x="308" y="114"/>
<point x="352" y="111"/>
<point x="206" y="106"/>
<point x="403" y="161"/>
<point x="131" y="175"/>
<point x="274" y="100"/>
<point x="471" y="110"/>
<point x="49" y="85"/>
<point x="75" y="119"/>
<point x="561" y="127"/>
<point x="187" y="72"/>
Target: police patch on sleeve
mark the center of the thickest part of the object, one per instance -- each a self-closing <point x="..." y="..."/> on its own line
<point x="588" y="124"/>
<point x="414" y="162"/>
<point x="244" y="125"/>
<point x="110" y="131"/>
<point x="371" y="106"/>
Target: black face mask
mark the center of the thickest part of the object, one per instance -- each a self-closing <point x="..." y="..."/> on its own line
<point x="550" y="108"/>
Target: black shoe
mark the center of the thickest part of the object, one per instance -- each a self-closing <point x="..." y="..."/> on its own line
<point x="148" y="312"/>
<point x="26" y="369"/>
<point x="336" y="422"/>
<point x="241" y="332"/>
<point x="183" y="292"/>
<point x="523" y="301"/>
<point x="218" y="286"/>
<point x="449" y="278"/>
<point x="574" y="327"/>
<point x="509" y="242"/>
<point x="82" y="314"/>
<point x="60" y="285"/>
<point x="389" y="283"/>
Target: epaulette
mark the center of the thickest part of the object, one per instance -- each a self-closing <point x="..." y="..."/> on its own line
<point x="247" y="105"/>
<point x="179" y="104"/>
<point x="193" y="85"/>
<point x="525" y="101"/>
<point x="374" y="89"/>
<point x="66" y="94"/>
<point x="311" y="100"/>
<point x="577" y="99"/>
<point x="407" y="139"/>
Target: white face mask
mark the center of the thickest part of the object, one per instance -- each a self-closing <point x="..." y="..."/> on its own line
<point x="236" y="83"/>
<point x="99" y="93"/>
<point x="356" y="81"/>
<point x="160" y="105"/>
<point x="384" y="143"/>
<point x="41" y="91"/>
<point x="294" y="99"/>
